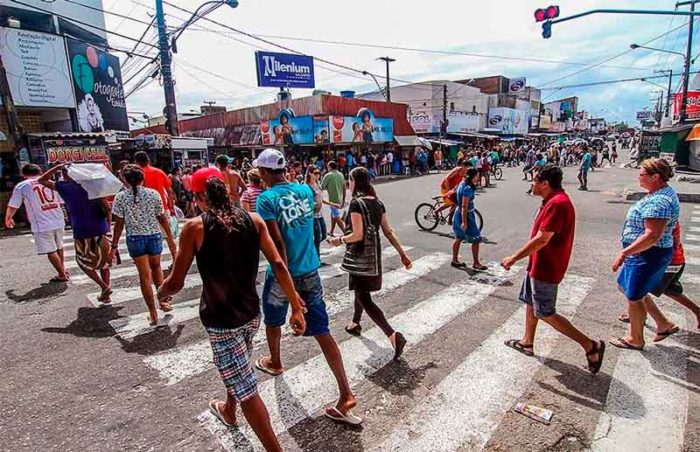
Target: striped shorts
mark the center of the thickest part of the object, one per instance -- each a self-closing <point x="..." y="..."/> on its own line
<point x="232" y="349"/>
<point x="92" y="253"/>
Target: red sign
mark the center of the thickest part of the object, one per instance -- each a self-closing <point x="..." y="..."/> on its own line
<point x="77" y="154"/>
<point x="692" y="108"/>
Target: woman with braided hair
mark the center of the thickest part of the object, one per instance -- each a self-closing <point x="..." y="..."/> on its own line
<point x="226" y="241"/>
<point x="140" y="211"/>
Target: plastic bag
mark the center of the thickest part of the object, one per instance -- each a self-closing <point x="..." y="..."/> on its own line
<point x="179" y="214"/>
<point x="96" y="179"/>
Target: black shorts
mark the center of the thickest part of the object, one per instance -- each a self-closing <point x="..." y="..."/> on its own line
<point x="671" y="282"/>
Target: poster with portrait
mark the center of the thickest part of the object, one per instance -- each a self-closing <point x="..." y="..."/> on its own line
<point x="321" y="133"/>
<point x="363" y="128"/>
<point x="99" y="93"/>
<point x="287" y="130"/>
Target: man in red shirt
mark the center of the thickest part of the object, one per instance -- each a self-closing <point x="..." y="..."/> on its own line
<point x="157" y="180"/>
<point x="549" y="250"/>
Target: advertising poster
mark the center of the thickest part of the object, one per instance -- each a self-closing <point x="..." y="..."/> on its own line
<point x="508" y="120"/>
<point x="98" y="86"/>
<point x="517" y="85"/>
<point x="363" y="128"/>
<point x="287" y="130"/>
<point x="321" y="132"/>
<point x="692" y="108"/>
<point x="284" y="70"/>
<point x="77" y="154"/>
<point x="426" y="122"/>
<point x="37" y="68"/>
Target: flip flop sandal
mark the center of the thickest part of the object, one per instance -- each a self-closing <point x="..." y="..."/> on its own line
<point x="214" y="408"/>
<point x="56" y="279"/>
<point x="620" y="342"/>
<point x="458" y="264"/>
<point x="480" y="269"/>
<point x="624" y="318"/>
<point x="262" y="368"/>
<point x="354" y="331"/>
<point x="104" y="296"/>
<point x="599" y="349"/>
<point x="166" y="305"/>
<point x="347" y="418"/>
<point x="670" y="332"/>
<point x="515" y="344"/>
<point x="151" y="321"/>
<point x="400" y="345"/>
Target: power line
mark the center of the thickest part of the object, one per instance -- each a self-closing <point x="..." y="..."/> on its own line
<point x="609" y="82"/>
<point x="104" y="11"/>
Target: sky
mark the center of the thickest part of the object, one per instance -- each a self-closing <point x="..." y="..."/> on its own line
<point x="216" y="64"/>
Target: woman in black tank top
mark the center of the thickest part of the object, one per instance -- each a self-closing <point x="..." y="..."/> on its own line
<point x="226" y="241"/>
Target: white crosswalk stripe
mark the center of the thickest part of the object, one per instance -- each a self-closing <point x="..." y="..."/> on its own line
<point x="692" y="238"/>
<point x="137" y="324"/>
<point x="72" y="264"/>
<point x="692" y="260"/>
<point x="656" y="379"/>
<point x="689" y="247"/>
<point x="311" y="384"/>
<point x="467" y="406"/>
<point x="694" y="229"/>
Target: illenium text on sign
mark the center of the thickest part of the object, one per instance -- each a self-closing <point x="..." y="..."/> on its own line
<point x="272" y="66"/>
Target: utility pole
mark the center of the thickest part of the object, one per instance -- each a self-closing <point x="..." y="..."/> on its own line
<point x="170" y="110"/>
<point x="686" y="69"/>
<point x="387" y="60"/>
<point x="668" y="94"/>
<point x="15" y="126"/>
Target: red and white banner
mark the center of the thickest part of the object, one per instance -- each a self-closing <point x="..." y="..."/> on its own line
<point x="692" y="105"/>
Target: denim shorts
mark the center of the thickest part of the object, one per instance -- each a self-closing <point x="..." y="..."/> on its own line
<point x="540" y="295"/>
<point x="336" y="213"/>
<point x="142" y="245"/>
<point x="275" y="304"/>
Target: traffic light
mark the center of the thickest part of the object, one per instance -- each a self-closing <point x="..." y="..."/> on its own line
<point x="547" y="29"/>
<point x="548" y="13"/>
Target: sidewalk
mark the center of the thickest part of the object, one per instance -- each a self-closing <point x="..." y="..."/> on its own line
<point x="687" y="187"/>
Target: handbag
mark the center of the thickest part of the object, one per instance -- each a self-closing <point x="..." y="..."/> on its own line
<point x="362" y="258"/>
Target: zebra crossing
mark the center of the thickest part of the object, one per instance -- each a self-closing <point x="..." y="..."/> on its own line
<point x="466" y="407"/>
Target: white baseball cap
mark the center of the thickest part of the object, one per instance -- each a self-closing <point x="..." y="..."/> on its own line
<point x="270" y="159"/>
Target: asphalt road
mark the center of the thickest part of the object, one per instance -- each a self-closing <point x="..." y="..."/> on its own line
<point x="74" y="376"/>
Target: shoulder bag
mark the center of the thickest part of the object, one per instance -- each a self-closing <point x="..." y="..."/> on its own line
<point x="362" y="258"/>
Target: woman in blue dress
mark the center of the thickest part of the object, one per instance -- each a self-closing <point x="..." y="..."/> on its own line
<point x="464" y="221"/>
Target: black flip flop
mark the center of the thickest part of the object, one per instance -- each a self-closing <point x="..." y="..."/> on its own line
<point x="515" y="344"/>
<point x="670" y="332"/>
<point x="620" y="342"/>
<point x="599" y="349"/>
<point x="400" y="344"/>
<point x="354" y="331"/>
<point x="458" y="264"/>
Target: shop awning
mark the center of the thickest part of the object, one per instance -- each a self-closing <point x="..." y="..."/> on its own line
<point x="694" y="134"/>
<point x="474" y="135"/>
<point x="407" y="140"/>
<point x="445" y="142"/>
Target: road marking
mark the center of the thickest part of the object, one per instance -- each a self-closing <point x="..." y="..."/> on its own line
<point x="690" y="247"/>
<point x="692" y="238"/>
<point x="115" y="273"/>
<point x="192" y="280"/>
<point x="692" y="260"/>
<point x="71" y="253"/>
<point x="72" y="264"/>
<point x="690" y="279"/>
<point x="183" y="362"/>
<point x="695" y="219"/>
<point x="694" y="229"/>
<point x="466" y="407"/>
<point x="303" y="390"/>
<point x="647" y="401"/>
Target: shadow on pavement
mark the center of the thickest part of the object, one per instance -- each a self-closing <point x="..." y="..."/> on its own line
<point x="157" y="340"/>
<point x="590" y="390"/>
<point x="46" y="290"/>
<point x="90" y="322"/>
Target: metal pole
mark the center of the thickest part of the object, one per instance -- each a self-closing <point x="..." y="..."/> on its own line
<point x="170" y="110"/>
<point x="15" y="126"/>
<point x="686" y="69"/>
<point x="387" y="60"/>
<point x="668" y="94"/>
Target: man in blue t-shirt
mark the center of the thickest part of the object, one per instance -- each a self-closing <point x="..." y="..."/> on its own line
<point x="90" y="221"/>
<point x="288" y="211"/>
<point x="586" y="164"/>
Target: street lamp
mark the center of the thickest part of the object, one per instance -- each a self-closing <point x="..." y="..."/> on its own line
<point x="381" y="90"/>
<point x="170" y="110"/>
<point x="637" y="46"/>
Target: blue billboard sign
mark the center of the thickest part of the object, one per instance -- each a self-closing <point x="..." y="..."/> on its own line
<point x="284" y="70"/>
<point x="363" y="128"/>
<point x="287" y="130"/>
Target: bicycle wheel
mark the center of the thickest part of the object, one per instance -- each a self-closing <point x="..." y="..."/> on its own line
<point x="425" y="217"/>
<point x="498" y="173"/>
<point x="479" y="220"/>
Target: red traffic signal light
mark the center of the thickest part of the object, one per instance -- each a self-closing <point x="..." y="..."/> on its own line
<point x="549" y="13"/>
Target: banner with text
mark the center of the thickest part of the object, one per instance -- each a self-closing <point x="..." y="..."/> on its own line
<point x="98" y="87"/>
<point x="37" y="68"/>
<point x="692" y="105"/>
<point x="363" y="128"/>
<point x="287" y="130"/>
<point x="284" y="70"/>
<point x="508" y="120"/>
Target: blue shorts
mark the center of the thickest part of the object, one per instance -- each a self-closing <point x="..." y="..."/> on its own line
<point x="336" y="213"/>
<point x="540" y="295"/>
<point x="275" y="304"/>
<point x="142" y="245"/>
<point x="642" y="273"/>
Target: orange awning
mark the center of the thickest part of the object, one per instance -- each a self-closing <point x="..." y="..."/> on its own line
<point x="694" y="134"/>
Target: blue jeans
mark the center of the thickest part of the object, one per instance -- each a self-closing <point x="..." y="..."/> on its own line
<point x="275" y="304"/>
<point x="319" y="233"/>
<point x="142" y="245"/>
